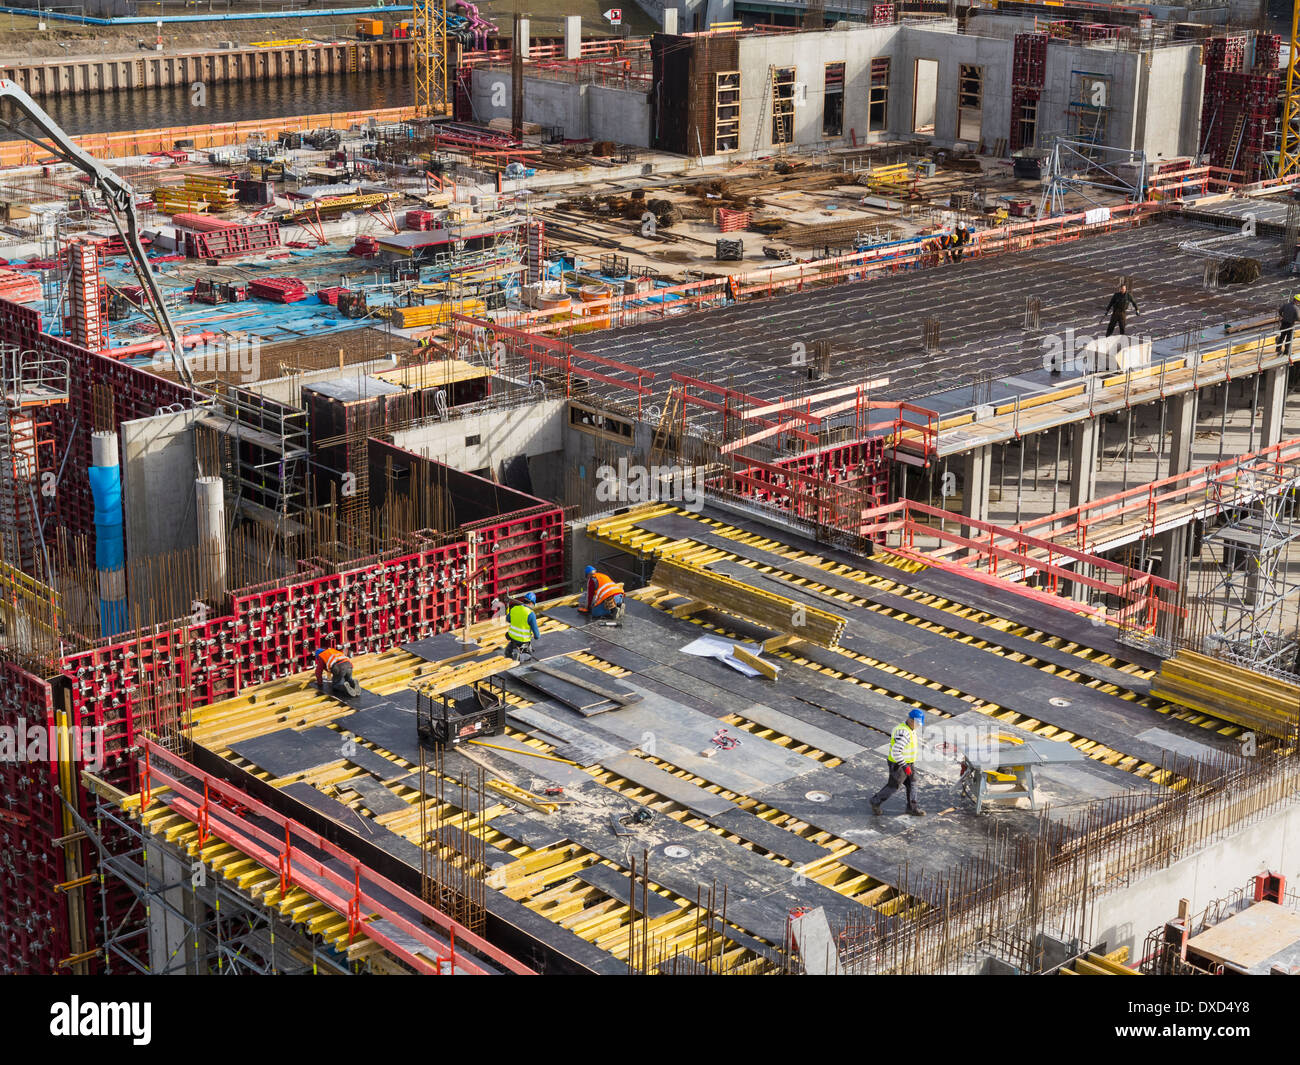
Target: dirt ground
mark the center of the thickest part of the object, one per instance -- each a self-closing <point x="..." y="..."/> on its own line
<point x="20" y="39"/>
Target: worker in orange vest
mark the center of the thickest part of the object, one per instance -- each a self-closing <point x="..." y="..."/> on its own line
<point x="334" y="662"/>
<point x="604" y="597"/>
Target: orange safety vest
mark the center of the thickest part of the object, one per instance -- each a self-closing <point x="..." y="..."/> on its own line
<point x="605" y="589"/>
<point x="329" y="656"/>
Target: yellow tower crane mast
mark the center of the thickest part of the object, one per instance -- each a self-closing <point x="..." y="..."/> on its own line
<point x="429" y="42"/>
<point x="1288" y="165"/>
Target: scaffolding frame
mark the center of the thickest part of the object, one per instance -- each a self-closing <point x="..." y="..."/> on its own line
<point x="1245" y="595"/>
<point x="1085" y="169"/>
<point x="224" y="931"/>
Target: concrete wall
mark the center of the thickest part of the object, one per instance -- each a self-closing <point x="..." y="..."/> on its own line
<point x="158" y="469"/>
<point x="953" y="51"/>
<point x="1155" y="109"/>
<point x="288" y="390"/>
<point x="1171" y="119"/>
<point x="58" y="77"/>
<point x="809" y="53"/>
<point x="1123" y="918"/>
<point x="537" y="431"/>
<point x="580" y="109"/>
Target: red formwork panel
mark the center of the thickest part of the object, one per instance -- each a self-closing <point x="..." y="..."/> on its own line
<point x="135" y="393"/>
<point x="230" y="241"/>
<point x="34" y="933"/>
<point x="517" y="553"/>
<point x="1029" y="60"/>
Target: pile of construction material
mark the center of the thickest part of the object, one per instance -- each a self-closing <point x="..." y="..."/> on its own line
<point x="198" y="193"/>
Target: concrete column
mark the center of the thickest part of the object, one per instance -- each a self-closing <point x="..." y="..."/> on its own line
<point x="524" y="40"/>
<point x="976" y="469"/>
<point x="1174" y="546"/>
<point x="1273" y="400"/>
<point x="1182" y="414"/>
<point x="572" y="36"/>
<point x="670" y="20"/>
<point x="210" y="494"/>
<point x="1084" y="439"/>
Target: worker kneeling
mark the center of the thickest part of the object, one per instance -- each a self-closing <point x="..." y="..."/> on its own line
<point x="523" y="627"/>
<point x="903" y="747"/>
<point x="339" y="667"/>
<point x="604" y="597"/>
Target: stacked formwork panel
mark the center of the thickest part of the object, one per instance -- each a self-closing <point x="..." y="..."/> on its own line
<point x="87" y="324"/>
<point x="1028" y="76"/>
<point x="1240" y="105"/>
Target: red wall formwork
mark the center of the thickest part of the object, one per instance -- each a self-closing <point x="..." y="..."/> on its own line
<point x="264" y="634"/>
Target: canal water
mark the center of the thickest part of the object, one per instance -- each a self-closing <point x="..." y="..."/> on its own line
<point x="238" y="101"/>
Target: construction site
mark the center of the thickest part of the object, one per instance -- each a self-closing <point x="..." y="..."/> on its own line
<point x="538" y="527"/>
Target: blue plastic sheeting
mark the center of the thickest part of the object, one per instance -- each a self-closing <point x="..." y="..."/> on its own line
<point x="110" y="550"/>
<point x="140" y="20"/>
<point x="106" y="487"/>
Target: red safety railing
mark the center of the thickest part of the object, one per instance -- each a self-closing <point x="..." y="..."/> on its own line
<point x="543" y="354"/>
<point x="1198" y="494"/>
<point x="225" y="812"/>
<point x="1004" y="557"/>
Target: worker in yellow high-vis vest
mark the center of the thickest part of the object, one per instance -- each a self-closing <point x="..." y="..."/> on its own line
<point x="904" y="745"/>
<point x="523" y="627"/>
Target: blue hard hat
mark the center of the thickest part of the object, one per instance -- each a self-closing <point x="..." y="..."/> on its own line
<point x="319" y="651"/>
<point x="529" y="597"/>
<point x="918" y="716"/>
<point x="589" y="571"/>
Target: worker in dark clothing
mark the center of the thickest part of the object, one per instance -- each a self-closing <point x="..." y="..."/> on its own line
<point x="1118" y="308"/>
<point x="903" y="749"/>
<point x="1287" y="314"/>
<point x="334" y="662"/>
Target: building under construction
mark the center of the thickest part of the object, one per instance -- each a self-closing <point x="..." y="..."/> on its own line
<point x="887" y="464"/>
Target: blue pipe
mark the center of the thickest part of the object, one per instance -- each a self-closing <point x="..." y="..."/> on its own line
<point x="110" y="552"/>
<point x="141" y="20"/>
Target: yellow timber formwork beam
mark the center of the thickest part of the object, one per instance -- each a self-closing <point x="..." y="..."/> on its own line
<point x="623" y="531"/>
<point x="1288" y="165"/>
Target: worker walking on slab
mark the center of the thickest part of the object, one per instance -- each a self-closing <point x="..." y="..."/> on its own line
<point x="903" y="748"/>
<point x="523" y="627"/>
<point x="1118" y="309"/>
<point x="1287" y="315"/>
<point x="604" y="598"/>
<point x="334" y="662"/>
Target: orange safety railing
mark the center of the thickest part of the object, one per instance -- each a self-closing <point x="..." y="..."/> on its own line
<point x="225" y="812"/>
<point x="211" y="135"/>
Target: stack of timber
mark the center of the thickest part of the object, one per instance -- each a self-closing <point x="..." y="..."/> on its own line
<point x="776" y="612"/>
<point x="1239" y="695"/>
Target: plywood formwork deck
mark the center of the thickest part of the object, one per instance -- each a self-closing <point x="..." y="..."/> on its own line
<point x="782" y="819"/>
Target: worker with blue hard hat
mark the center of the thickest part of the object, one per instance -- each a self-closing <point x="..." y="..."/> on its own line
<point x="903" y="749"/>
<point x="334" y="662"/>
<point x="523" y="628"/>
<point x="604" y="598"/>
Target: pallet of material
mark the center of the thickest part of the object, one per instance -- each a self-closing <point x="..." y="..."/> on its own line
<point x="1218" y="688"/>
<point x="427" y="314"/>
<point x="776" y="612"/>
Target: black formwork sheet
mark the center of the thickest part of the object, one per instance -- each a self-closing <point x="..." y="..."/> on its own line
<point x="289" y="752"/>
